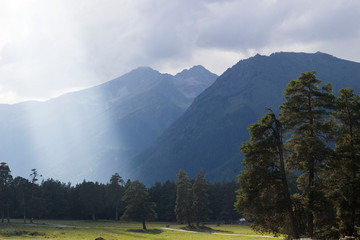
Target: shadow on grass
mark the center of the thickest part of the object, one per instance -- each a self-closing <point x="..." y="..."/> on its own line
<point x="204" y="229"/>
<point x="149" y="231"/>
<point x="20" y="233"/>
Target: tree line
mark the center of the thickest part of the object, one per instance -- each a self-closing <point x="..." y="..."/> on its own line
<point x="29" y="199"/>
<point x="302" y="174"/>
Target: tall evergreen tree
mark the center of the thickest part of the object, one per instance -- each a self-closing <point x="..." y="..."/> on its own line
<point x="200" y="204"/>
<point x="22" y="188"/>
<point x="114" y="192"/>
<point x="164" y="196"/>
<point x="55" y="196"/>
<point x="36" y="204"/>
<point x="305" y="116"/>
<point x="345" y="168"/>
<point x="5" y="190"/>
<point x="222" y="197"/>
<point x="91" y="197"/>
<point x="264" y="193"/>
<point x="183" y="205"/>
<point x="138" y="207"/>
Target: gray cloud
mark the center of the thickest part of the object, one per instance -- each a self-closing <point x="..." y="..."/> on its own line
<point x="47" y="48"/>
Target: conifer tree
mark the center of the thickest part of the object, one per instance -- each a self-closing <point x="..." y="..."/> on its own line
<point x="5" y="190"/>
<point x="183" y="205"/>
<point x="345" y="167"/>
<point x="36" y="201"/>
<point x="201" y="198"/>
<point x="264" y="194"/>
<point x="305" y="115"/>
<point x="114" y="192"/>
<point x="138" y="207"/>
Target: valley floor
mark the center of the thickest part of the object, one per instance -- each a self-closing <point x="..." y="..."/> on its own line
<point x="109" y="230"/>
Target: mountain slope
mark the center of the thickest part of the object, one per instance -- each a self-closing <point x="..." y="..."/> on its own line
<point x="207" y="136"/>
<point x="92" y="133"/>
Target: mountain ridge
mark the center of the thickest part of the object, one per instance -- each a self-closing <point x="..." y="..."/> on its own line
<point x="207" y="136"/>
<point x="94" y="130"/>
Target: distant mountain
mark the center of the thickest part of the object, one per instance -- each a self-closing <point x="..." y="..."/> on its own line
<point x="91" y="134"/>
<point x="191" y="82"/>
<point x="207" y="136"/>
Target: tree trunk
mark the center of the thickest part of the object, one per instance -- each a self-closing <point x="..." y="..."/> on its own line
<point x="311" y="202"/>
<point x="93" y="216"/>
<point x="116" y="213"/>
<point x="144" y="226"/>
<point x="8" y="214"/>
<point x="288" y="198"/>
<point x="2" y="215"/>
<point x="24" y="214"/>
<point x="284" y="180"/>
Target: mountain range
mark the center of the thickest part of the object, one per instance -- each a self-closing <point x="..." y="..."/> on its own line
<point x="147" y="125"/>
<point x="208" y="135"/>
<point x="92" y="133"/>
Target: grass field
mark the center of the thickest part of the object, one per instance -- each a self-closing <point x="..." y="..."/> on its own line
<point x="51" y="229"/>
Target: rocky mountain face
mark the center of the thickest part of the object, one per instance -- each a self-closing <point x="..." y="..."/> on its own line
<point x="91" y="134"/>
<point x="208" y="135"/>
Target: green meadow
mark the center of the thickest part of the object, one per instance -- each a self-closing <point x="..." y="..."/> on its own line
<point x="54" y="229"/>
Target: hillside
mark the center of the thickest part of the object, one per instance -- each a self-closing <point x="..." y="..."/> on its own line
<point x="207" y="136"/>
<point x="90" y="134"/>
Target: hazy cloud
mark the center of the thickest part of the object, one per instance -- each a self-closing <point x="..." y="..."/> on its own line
<point x="50" y="47"/>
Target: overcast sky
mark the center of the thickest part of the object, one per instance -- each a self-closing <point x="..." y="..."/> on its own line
<point x="50" y="47"/>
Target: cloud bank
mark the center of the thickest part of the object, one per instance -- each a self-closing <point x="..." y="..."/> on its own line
<point x="50" y="47"/>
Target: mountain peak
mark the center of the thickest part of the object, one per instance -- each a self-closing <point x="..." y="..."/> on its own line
<point x="191" y="82"/>
<point x="143" y="69"/>
<point x="197" y="69"/>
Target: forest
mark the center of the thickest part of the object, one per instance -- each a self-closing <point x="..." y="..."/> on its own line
<point x="302" y="176"/>
<point x="30" y="199"/>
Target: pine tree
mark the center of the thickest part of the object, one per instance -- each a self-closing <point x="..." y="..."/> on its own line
<point x="139" y="207"/>
<point x="201" y="198"/>
<point x="91" y="198"/>
<point x="264" y="194"/>
<point x="5" y="190"/>
<point x="36" y="203"/>
<point x="183" y="205"/>
<point x="305" y="115"/>
<point x="345" y="168"/>
<point x="114" y="192"/>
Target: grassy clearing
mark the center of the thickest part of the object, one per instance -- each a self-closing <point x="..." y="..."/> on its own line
<point x="51" y="229"/>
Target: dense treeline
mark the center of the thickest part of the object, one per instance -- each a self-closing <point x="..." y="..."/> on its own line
<point x="51" y="199"/>
<point x="308" y="185"/>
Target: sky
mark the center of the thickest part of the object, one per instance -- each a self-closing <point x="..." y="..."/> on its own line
<point x="48" y="48"/>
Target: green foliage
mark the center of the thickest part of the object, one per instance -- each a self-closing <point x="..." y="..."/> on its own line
<point x="36" y="204"/>
<point x="55" y="195"/>
<point x="184" y="198"/>
<point x="138" y="207"/>
<point x="305" y="115"/>
<point x="264" y="195"/>
<point x="200" y="204"/>
<point x="222" y="197"/>
<point x="164" y="196"/>
<point x="326" y="203"/>
<point x="114" y="192"/>
<point x="344" y="168"/>
<point x="5" y="189"/>
<point x="91" y="196"/>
